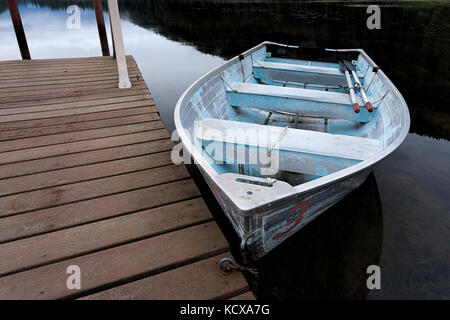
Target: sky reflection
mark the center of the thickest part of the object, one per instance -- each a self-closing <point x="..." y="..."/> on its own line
<point x="168" y="67"/>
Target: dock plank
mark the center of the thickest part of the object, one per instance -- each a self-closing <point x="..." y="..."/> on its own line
<point x="59" y="195"/>
<point x="59" y="138"/>
<point x="87" y="179"/>
<point x="176" y="284"/>
<point x="59" y="113"/>
<point x="71" y="119"/>
<point x="74" y="93"/>
<point x="78" y="146"/>
<point x="82" y="158"/>
<point x="128" y="103"/>
<point x="82" y="173"/>
<point x="72" y="127"/>
<point x="112" y="266"/>
<point x="77" y="104"/>
<point x="74" y="214"/>
<point x="87" y="85"/>
<point x="56" y="246"/>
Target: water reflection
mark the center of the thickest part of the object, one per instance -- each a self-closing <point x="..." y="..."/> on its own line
<point x="175" y="42"/>
<point x="168" y="67"/>
<point x="412" y="46"/>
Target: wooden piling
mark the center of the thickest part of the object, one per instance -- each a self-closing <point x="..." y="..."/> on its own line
<point x="101" y="27"/>
<point x="18" y="28"/>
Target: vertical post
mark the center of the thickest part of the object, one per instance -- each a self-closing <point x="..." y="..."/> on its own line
<point x="112" y="37"/>
<point x="101" y="27"/>
<point x="124" y="80"/>
<point x="18" y="28"/>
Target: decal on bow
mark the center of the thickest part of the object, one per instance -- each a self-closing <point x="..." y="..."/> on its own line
<point x="294" y="217"/>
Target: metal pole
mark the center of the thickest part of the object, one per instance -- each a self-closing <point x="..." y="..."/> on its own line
<point x="101" y="27"/>
<point x="124" y="80"/>
<point x="350" y="87"/>
<point x="18" y="28"/>
<point x="352" y="68"/>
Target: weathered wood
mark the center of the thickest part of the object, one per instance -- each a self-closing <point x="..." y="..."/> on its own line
<point x="72" y="92"/>
<point x="64" y="74"/>
<point x="74" y="119"/>
<point x="93" y="81"/>
<point x="76" y="96"/>
<point x="86" y="177"/>
<point x="75" y="111"/>
<point x="47" y="140"/>
<point x="18" y="28"/>
<point x="89" y="96"/>
<point x="112" y="266"/>
<point x="61" y="80"/>
<point x="87" y="62"/>
<point x="74" y="214"/>
<point x="79" y="146"/>
<point x="64" y="79"/>
<point x="37" y="70"/>
<point x="45" y="72"/>
<point x="59" y="195"/>
<point x="65" y="244"/>
<point x="84" y="157"/>
<point x="72" y="127"/>
<point x="83" y="173"/>
<point x="58" y="61"/>
<point x="63" y="87"/>
<point x="101" y="27"/>
<point x="176" y="284"/>
<point x="7" y="74"/>
<point x="123" y="101"/>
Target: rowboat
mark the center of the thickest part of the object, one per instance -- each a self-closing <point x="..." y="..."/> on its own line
<point x="281" y="133"/>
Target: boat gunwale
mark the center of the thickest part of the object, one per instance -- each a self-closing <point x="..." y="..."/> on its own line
<point x="311" y="185"/>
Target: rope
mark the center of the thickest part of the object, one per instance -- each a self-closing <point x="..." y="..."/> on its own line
<point x="231" y="266"/>
<point x="371" y="81"/>
<point x="227" y="83"/>
<point x="281" y="136"/>
<point x="256" y="61"/>
<point x="365" y="73"/>
<point x="380" y="99"/>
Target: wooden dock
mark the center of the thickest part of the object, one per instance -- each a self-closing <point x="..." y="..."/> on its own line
<point x="86" y="179"/>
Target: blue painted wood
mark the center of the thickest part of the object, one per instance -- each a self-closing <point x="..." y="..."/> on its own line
<point x="304" y="107"/>
<point x="306" y="85"/>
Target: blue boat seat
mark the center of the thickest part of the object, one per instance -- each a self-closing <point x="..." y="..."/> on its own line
<point x="297" y="68"/>
<point x="282" y="139"/>
<point x="305" y="102"/>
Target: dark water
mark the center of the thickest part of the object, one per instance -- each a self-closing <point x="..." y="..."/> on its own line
<point x="399" y="218"/>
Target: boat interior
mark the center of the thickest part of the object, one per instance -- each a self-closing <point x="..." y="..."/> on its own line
<point x="284" y="113"/>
